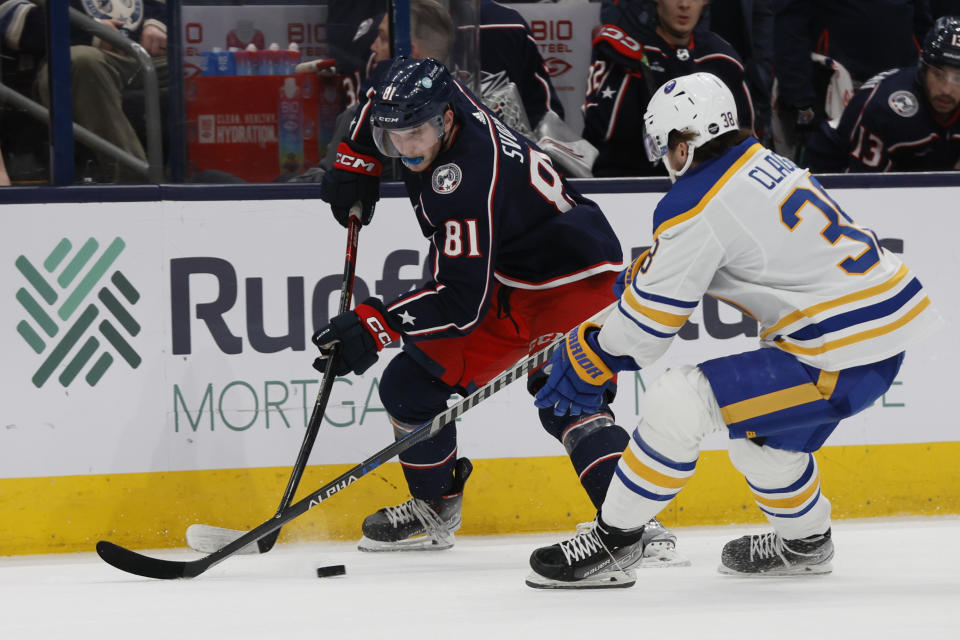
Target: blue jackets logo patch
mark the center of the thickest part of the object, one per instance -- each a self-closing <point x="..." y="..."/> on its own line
<point x="903" y="103"/>
<point x="446" y="178"/>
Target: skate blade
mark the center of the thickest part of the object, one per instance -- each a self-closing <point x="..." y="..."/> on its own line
<point x="606" y="580"/>
<point x="421" y="543"/>
<point x="805" y="570"/>
<point x="654" y="558"/>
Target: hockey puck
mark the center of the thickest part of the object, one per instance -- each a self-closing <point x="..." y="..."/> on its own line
<point x="331" y="570"/>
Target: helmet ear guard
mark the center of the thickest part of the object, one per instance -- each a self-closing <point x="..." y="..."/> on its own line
<point x="699" y="105"/>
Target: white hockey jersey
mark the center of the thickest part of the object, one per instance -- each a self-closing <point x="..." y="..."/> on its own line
<point x="755" y="230"/>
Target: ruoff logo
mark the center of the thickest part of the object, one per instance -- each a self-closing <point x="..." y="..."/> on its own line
<point x="63" y="300"/>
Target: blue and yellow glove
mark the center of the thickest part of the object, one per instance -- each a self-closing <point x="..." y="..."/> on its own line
<point x="580" y="371"/>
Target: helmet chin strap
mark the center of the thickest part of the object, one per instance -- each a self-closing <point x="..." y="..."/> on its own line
<point x="686" y="165"/>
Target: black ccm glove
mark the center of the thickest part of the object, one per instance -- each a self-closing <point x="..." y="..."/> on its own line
<point x="355" y="177"/>
<point x="361" y="333"/>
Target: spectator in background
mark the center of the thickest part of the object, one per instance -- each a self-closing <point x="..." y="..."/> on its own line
<point x="431" y="33"/>
<point x="351" y="29"/>
<point x="632" y="56"/>
<point x="865" y="36"/>
<point x="514" y="81"/>
<point x="903" y="119"/>
<point x="508" y="52"/>
<point x="99" y="74"/>
<point x="748" y="26"/>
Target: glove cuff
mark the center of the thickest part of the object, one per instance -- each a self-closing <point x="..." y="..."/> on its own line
<point x="619" y="46"/>
<point x="349" y="159"/>
<point x="615" y="363"/>
<point x="584" y="358"/>
<point x="377" y="321"/>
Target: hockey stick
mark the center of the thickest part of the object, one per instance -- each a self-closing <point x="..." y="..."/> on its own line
<point x="206" y="538"/>
<point x="149" y="567"/>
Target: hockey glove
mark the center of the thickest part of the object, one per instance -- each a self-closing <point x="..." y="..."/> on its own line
<point x="613" y="43"/>
<point x="361" y="333"/>
<point x="354" y="177"/>
<point x="580" y="372"/>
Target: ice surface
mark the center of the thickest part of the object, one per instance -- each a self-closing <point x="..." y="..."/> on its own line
<point x="893" y="578"/>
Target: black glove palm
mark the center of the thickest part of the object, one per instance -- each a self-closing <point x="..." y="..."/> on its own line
<point x="355" y="177"/>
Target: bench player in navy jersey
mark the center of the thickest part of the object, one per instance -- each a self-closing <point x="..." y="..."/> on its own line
<point x="903" y="119"/>
<point x="836" y="313"/>
<point x="517" y="257"/>
<point x="630" y="60"/>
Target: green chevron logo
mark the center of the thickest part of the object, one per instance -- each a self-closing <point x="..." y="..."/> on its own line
<point x="64" y="299"/>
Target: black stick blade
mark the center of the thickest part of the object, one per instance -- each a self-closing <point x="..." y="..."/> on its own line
<point x="139" y="564"/>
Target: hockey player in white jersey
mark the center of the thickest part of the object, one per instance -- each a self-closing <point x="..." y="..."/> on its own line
<point x="836" y="313"/>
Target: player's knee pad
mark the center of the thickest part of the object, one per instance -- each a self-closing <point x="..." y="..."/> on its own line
<point x="679" y="410"/>
<point x="767" y="467"/>
<point x="572" y="431"/>
<point x="594" y="444"/>
<point x="409" y="393"/>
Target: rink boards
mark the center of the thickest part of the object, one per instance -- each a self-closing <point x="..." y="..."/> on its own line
<point x="158" y="373"/>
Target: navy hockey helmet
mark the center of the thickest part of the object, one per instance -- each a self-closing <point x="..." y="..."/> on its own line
<point x="941" y="46"/>
<point x="411" y="99"/>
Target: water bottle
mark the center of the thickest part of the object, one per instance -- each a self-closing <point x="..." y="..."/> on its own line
<point x="291" y="58"/>
<point x="247" y="61"/>
<point x="210" y="62"/>
<point x="290" y="127"/>
<point x="269" y="60"/>
<point x="226" y="66"/>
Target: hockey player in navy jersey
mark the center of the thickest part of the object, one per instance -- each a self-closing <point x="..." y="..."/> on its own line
<point x="630" y="61"/>
<point x="517" y="256"/>
<point x="903" y="119"/>
<point x="836" y="313"/>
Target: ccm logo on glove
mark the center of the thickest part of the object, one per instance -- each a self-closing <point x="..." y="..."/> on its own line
<point x="379" y="331"/>
<point x="350" y="160"/>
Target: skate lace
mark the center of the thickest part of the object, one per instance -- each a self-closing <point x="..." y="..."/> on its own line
<point x="582" y="545"/>
<point x="400" y="514"/>
<point x="766" y="545"/>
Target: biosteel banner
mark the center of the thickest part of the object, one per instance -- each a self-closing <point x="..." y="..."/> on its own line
<point x="164" y="336"/>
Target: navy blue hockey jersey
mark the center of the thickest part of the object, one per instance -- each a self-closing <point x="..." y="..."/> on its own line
<point x="619" y="88"/>
<point x="887" y="126"/>
<point x="494" y="208"/>
<point x="508" y="53"/>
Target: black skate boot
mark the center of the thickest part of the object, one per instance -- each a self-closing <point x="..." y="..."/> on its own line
<point x="770" y="555"/>
<point x="598" y="557"/>
<point x="418" y="525"/>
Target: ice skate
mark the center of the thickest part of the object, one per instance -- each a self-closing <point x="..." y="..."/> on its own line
<point x="770" y="555"/>
<point x="660" y="547"/>
<point x="418" y="524"/>
<point x="597" y="557"/>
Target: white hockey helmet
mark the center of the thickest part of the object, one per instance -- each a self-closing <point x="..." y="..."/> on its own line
<point x="699" y="104"/>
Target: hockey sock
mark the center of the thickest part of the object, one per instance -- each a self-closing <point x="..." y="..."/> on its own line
<point x="428" y="465"/>
<point x="594" y="444"/>
<point x="644" y="482"/>
<point x="785" y="486"/>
